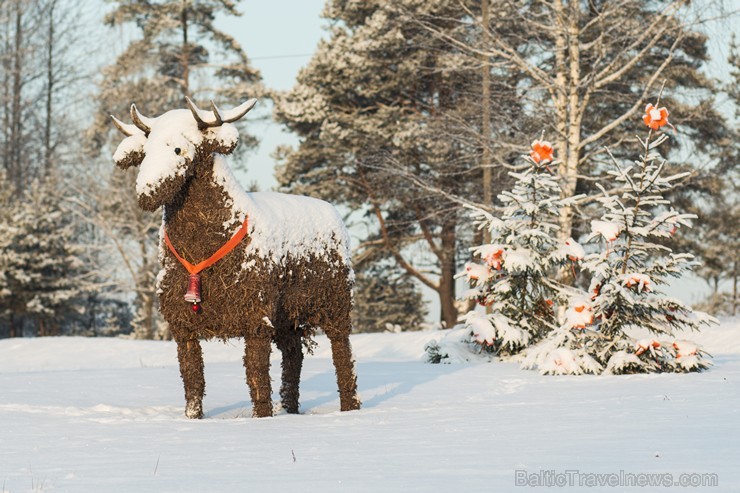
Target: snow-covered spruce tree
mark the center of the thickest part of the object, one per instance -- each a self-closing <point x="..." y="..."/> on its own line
<point x="43" y="271"/>
<point x="516" y="282"/>
<point x="627" y="273"/>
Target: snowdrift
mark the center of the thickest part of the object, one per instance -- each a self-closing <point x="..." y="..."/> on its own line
<point x="92" y="415"/>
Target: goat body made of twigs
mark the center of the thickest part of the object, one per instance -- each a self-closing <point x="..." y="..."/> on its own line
<point x="289" y="276"/>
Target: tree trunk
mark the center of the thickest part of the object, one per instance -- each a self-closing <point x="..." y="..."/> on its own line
<point x="561" y="107"/>
<point x="568" y="107"/>
<point x="16" y="127"/>
<point x="6" y="74"/>
<point x="145" y="294"/>
<point x="447" y="275"/>
<point x="49" y="90"/>
<point x="485" y="234"/>
<point x="734" y="287"/>
<point x="486" y="121"/>
<point x="185" y="51"/>
<point x="149" y="314"/>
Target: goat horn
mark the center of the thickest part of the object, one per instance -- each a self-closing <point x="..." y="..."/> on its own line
<point x="216" y="113"/>
<point x="219" y="117"/>
<point x="126" y="128"/>
<point x="238" y="112"/>
<point x="202" y="124"/>
<point x="138" y="120"/>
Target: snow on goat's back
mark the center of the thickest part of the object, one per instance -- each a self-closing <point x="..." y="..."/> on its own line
<point x="282" y="225"/>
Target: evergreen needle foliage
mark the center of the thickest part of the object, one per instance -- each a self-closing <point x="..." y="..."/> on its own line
<point x="516" y="281"/>
<point x="628" y="272"/>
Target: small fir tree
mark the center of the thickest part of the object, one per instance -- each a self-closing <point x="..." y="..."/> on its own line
<point x="627" y="273"/>
<point x="516" y="281"/>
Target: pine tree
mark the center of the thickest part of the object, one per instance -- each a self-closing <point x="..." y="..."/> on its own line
<point x="179" y="38"/>
<point x="43" y="269"/>
<point x="716" y="241"/>
<point x="386" y="303"/>
<point x="179" y="46"/>
<point x="380" y="107"/>
<point x="629" y="270"/>
<point x="516" y="281"/>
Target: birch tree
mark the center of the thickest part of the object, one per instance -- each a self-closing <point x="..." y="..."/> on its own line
<point x="42" y="66"/>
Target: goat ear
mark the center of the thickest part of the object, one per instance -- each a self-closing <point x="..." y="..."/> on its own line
<point x="130" y="159"/>
<point x="223" y="148"/>
<point x="130" y="151"/>
<point x="222" y="140"/>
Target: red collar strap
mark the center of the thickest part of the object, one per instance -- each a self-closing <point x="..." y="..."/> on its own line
<point x="220" y="253"/>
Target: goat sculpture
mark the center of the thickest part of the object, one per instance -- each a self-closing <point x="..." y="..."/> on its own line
<point x="289" y="275"/>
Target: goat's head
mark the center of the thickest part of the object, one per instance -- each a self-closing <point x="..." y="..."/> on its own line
<point x="168" y="148"/>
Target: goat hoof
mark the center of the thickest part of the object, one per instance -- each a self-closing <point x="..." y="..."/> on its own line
<point x="262" y="410"/>
<point x="349" y="404"/>
<point x="194" y="410"/>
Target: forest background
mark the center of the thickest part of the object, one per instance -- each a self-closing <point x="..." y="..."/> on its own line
<point x="79" y="257"/>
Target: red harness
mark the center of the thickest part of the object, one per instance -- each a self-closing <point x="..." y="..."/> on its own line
<point x="193" y="291"/>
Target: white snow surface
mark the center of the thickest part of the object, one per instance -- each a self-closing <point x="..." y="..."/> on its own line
<point x="492" y="254"/>
<point x="571" y="249"/>
<point x="579" y="314"/>
<point x="294" y="225"/>
<point x="518" y="260"/>
<point x="483" y="330"/>
<point x="641" y="282"/>
<point x="106" y="415"/>
<point x="609" y="230"/>
<point x="477" y="272"/>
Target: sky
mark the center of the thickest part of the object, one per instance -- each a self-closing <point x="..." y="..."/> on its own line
<point x="279" y="37"/>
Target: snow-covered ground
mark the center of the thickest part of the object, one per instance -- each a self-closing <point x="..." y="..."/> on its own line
<point x="106" y="415"/>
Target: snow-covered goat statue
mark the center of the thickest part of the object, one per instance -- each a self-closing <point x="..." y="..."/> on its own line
<point x="267" y="267"/>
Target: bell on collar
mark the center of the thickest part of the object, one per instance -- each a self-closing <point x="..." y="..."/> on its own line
<point x="193" y="293"/>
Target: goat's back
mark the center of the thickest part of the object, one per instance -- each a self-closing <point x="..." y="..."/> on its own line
<point x="284" y="226"/>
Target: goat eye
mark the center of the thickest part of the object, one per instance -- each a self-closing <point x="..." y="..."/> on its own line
<point x="177" y="150"/>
